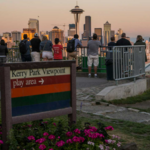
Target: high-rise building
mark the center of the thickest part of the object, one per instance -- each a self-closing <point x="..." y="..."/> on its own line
<point x="6" y="35"/>
<point x="120" y="31"/>
<point x="87" y="31"/>
<point x="116" y="37"/>
<point x="77" y="12"/>
<point x="16" y="36"/>
<point x="56" y="33"/>
<point x="98" y="31"/>
<point x="107" y="33"/>
<point x="72" y="26"/>
<point x="44" y="33"/>
<point x="30" y="33"/>
<point x="34" y="23"/>
<point x="71" y="31"/>
<point x="112" y="33"/>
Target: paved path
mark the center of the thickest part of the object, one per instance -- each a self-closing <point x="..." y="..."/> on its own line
<point x="87" y="88"/>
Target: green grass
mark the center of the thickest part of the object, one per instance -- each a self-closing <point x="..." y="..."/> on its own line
<point x="129" y="131"/>
<point x="138" y="133"/>
<point x="132" y="100"/>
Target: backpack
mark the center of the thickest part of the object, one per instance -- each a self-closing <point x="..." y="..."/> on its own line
<point x="71" y="46"/>
<point x="22" y="47"/>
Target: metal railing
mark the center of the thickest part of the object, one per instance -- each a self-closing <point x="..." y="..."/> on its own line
<point x="128" y="62"/>
<point x="15" y="56"/>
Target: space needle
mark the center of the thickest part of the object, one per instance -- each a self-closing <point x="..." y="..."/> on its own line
<point x="77" y="12"/>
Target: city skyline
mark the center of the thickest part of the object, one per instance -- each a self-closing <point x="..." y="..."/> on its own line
<point x="16" y="16"/>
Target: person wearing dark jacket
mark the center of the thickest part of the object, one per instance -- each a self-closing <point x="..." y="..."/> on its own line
<point x="3" y="48"/>
<point x="35" y="43"/>
<point x="112" y="43"/>
<point x="123" y="41"/>
<point x="139" y="41"/>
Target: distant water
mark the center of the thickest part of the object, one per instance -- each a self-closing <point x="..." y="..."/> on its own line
<point x="134" y="39"/>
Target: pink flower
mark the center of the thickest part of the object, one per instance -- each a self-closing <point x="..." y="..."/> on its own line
<point x="113" y="141"/>
<point x="41" y="140"/>
<point x="118" y="144"/>
<point x="93" y="129"/>
<point x="101" y="147"/>
<point x="1" y="142"/>
<point x="60" y="143"/>
<point x="109" y="141"/>
<point x="107" y="148"/>
<point x="69" y="134"/>
<point x="45" y="134"/>
<point x="106" y="141"/>
<point x="42" y="147"/>
<point x="51" y="137"/>
<point x="91" y="143"/>
<point x="54" y="124"/>
<point x="29" y="126"/>
<point x="0" y="132"/>
<point x="93" y="135"/>
<point x="58" y="137"/>
<point x="69" y="141"/>
<point x="50" y="149"/>
<point x="31" y="138"/>
<point x="110" y="128"/>
<point x="45" y="122"/>
<point x="76" y="139"/>
<point x="77" y="131"/>
<point x="101" y="135"/>
<point x="82" y="139"/>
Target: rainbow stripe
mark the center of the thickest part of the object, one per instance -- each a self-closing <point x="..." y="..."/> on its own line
<point x="54" y="93"/>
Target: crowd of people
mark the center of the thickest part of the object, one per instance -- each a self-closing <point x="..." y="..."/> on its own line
<point x="47" y="51"/>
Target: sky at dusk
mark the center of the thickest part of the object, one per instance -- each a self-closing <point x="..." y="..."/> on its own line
<point x="132" y="16"/>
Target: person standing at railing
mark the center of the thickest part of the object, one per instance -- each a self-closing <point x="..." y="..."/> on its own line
<point x="139" y="41"/>
<point x="123" y="41"/>
<point x="112" y="43"/>
<point x="46" y="48"/>
<point x="73" y="54"/>
<point x="35" y="43"/>
<point x="92" y="52"/>
<point x="57" y="50"/>
<point x="24" y="48"/>
<point x="3" y="48"/>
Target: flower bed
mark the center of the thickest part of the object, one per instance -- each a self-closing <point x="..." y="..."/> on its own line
<point x="59" y="136"/>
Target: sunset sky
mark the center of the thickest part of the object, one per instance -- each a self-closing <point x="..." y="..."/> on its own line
<point x="132" y="16"/>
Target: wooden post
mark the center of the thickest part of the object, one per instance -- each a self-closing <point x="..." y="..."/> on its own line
<point x="72" y="117"/>
<point x="6" y="110"/>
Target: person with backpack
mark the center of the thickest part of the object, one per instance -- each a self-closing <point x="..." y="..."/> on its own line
<point x="3" y="49"/>
<point x="24" y="48"/>
<point x="72" y="48"/>
<point x="57" y="50"/>
<point x="35" y="43"/>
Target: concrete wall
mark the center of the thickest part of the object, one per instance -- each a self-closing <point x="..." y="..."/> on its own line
<point x="123" y="90"/>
